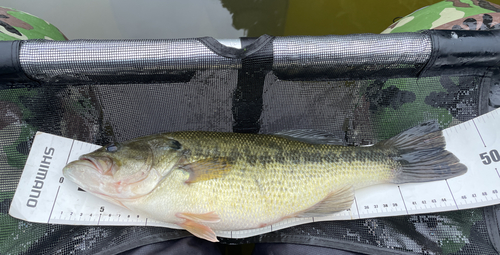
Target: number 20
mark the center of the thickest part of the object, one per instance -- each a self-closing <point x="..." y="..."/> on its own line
<point x="494" y="156"/>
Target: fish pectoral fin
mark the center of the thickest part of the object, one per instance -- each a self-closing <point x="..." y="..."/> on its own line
<point x="210" y="217"/>
<point x="336" y="201"/>
<point x="192" y="224"/>
<point x="207" y="169"/>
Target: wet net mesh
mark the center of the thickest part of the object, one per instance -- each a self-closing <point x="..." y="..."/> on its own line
<point x="362" y="88"/>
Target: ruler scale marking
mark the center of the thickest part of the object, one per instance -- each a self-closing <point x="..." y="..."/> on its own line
<point x="69" y="154"/>
<point x="479" y="133"/>
<point x="357" y="207"/>
<point x="55" y="199"/>
<point x="404" y="203"/>
<point x="452" y="196"/>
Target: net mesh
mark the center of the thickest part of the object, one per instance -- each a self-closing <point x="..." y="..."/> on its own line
<point x="99" y="102"/>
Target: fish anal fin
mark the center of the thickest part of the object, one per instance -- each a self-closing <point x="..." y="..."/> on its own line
<point x="207" y="169"/>
<point x="336" y="201"/>
<point x="193" y="223"/>
<point x="199" y="230"/>
<point x="210" y="217"/>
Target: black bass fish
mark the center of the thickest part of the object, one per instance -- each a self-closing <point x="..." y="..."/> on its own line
<point x="205" y="181"/>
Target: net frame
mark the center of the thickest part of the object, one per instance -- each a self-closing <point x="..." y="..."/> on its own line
<point x="329" y="58"/>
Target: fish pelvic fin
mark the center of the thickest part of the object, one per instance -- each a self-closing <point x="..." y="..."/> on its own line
<point x="421" y="155"/>
<point x="207" y="169"/>
<point x="336" y="201"/>
<point x="192" y="223"/>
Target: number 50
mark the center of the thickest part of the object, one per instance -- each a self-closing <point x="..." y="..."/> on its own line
<point x="494" y="156"/>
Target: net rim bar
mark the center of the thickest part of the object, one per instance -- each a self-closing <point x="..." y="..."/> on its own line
<point x="449" y="50"/>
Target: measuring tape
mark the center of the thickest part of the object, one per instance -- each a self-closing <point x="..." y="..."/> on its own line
<point x="44" y="196"/>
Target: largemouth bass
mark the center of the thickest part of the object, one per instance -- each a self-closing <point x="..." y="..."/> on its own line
<point x="205" y="181"/>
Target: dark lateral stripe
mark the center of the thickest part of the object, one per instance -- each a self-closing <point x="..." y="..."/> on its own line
<point x="247" y="97"/>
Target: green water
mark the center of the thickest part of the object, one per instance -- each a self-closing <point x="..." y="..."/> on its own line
<point x="132" y="19"/>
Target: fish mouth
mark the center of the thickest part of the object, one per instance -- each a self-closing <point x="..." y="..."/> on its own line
<point x="99" y="175"/>
<point x="103" y="165"/>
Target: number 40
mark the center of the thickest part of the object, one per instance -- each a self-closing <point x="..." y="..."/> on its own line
<point x="494" y="156"/>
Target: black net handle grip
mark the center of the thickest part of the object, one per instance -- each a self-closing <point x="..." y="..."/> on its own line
<point x="468" y="50"/>
<point x="11" y="73"/>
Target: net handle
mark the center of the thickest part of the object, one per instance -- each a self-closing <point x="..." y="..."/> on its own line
<point x="449" y="50"/>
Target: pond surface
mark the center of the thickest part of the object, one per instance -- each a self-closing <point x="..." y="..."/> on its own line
<point x="133" y="19"/>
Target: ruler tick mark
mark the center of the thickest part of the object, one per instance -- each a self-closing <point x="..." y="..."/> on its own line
<point x="401" y="194"/>
<point x="479" y="132"/>
<point x="55" y="199"/>
<point x="357" y="207"/>
<point x="70" y="151"/>
<point x="455" y="201"/>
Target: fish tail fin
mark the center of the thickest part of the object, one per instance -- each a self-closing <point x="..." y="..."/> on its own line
<point x="421" y="154"/>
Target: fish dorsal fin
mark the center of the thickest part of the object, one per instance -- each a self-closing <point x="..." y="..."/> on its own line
<point x="336" y="201"/>
<point x="311" y="136"/>
<point x="207" y="169"/>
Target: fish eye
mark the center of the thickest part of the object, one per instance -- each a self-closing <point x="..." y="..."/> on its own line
<point x="111" y="148"/>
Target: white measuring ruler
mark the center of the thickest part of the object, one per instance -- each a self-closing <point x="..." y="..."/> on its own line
<point x="44" y="196"/>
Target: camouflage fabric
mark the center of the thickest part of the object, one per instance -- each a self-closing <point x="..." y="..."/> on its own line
<point x="451" y="101"/>
<point x="15" y="124"/>
<point x="450" y="14"/>
<point x="18" y="25"/>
